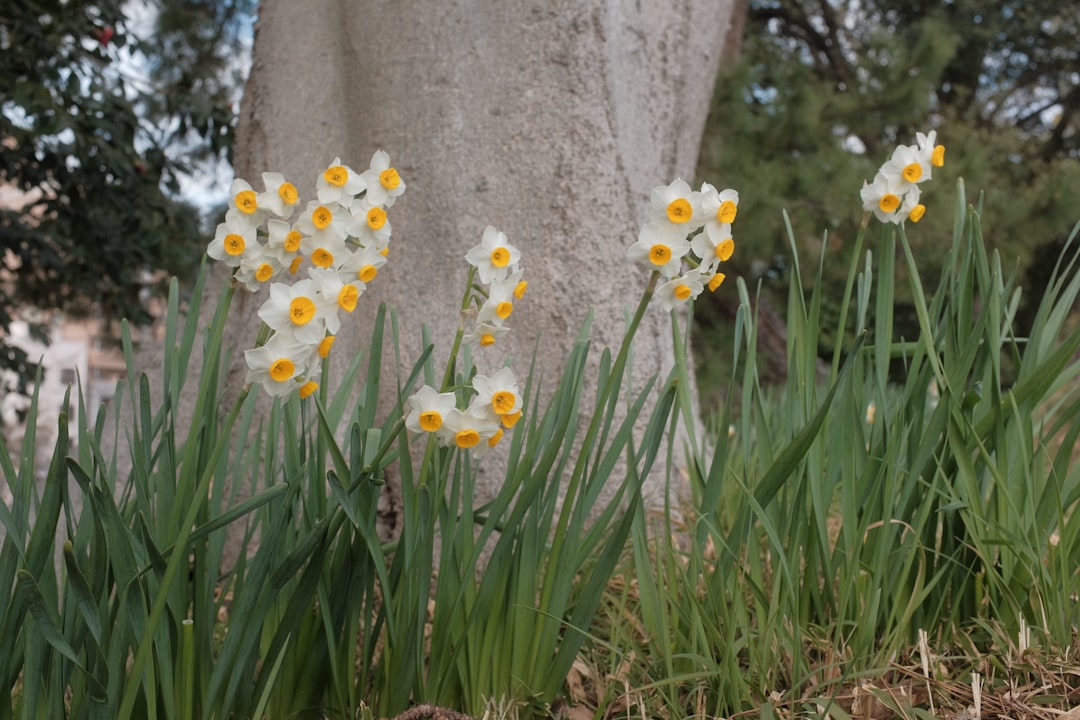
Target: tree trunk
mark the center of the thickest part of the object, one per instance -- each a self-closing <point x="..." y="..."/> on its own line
<point x="550" y="119"/>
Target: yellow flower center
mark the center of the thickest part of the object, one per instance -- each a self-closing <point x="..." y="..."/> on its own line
<point x="937" y="159"/>
<point x="322" y="258"/>
<point x="264" y="273"/>
<point x="504" y="309"/>
<point x="487" y="339"/>
<point x="889" y="203"/>
<point x="494" y="439"/>
<point x="727" y="211"/>
<point x="368" y="273"/>
<point x="917" y="213"/>
<point x="659" y="254"/>
<point x="500" y="257"/>
<point x="247" y="202"/>
<point x="234" y="244"/>
<point x="294" y="266"/>
<point x="287" y="192"/>
<point x="325" y="345"/>
<point x="292" y="241"/>
<point x="336" y="176"/>
<point x="321" y="217"/>
<point x="389" y="178"/>
<point x="467" y="438"/>
<point x="347" y="298"/>
<point x="503" y="402"/>
<point x="717" y="281"/>
<point x="430" y="421"/>
<point x="282" y="369"/>
<point x="308" y="388"/>
<point x="509" y="420"/>
<point x="301" y="311"/>
<point x="679" y="210"/>
<point x="385" y="251"/>
<point x="519" y="289"/>
<point x="683" y="292"/>
<point x="725" y="249"/>
<point x="912" y="172"/>
<point x="376" y="218"/>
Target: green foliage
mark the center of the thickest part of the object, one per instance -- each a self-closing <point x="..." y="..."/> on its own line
<point x="823" y="91"/>
<point x="835" y="522"/>
<point x="94" y="149"/>
<point x="320" y="615"/>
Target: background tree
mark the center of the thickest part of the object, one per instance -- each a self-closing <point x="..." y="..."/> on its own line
<point x="825" y="89"/>
<point x="549" y="120"/>
<point x="98" y="126"/>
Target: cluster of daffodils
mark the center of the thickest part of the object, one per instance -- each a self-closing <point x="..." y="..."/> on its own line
<point x="686" y="239"/>
<point x="894" y="195"/>
<point x="315" y="259"/>
<point x="494" y="405"/>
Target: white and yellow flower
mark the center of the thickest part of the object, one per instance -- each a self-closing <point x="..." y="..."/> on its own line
<point x="713" y="248"/>
<point x="469" y="430"/>
<point x="297" y="311"/>
<point x="339" y="184"/>
<point x="232" y="239"/>
<point x="682" y="289"/>
<point x="384" y="184"/>
<point x="678" y="205"/>
<point x="485" y="334"/>
<point x="369" y="224"/>
<point x="427" y="409"/>
<point x="660" y="247"/>
<point x="494" y="257"/>
<point x="280" y="196"/>
<point x="497" y="395"/>
<point x="719" y="208"/>
<point x="278" y="364"/>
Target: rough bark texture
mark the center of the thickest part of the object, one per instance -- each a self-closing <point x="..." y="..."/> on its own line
<point x="551" y="120"/>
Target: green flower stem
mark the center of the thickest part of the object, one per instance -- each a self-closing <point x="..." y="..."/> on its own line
<point x="451" y="362"/>
<point x="852" y="271"/>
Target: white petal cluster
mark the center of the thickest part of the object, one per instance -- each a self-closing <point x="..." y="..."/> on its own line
<point x="314" y="258"/>
<point x="894" y="196"/>
<point x="687" y="237"/>
<point x="494" y="407"/>
<point x="498" y="266"/>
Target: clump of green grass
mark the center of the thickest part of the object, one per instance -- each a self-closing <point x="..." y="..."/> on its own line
<point x="836" y="523"/>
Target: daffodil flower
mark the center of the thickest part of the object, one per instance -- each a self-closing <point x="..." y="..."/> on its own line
<point x="883" y="197"/>
<point x="485" y="334"/>
<point x="296" y="311"/>
<point x="428" y="409"/>
<point x="719" y="208"/>
<point x="259" y="268"/>
<point x="678" y="205"/>
<point x="369" y="224"/>
<point x="468" y="430"/>
<point x="496" y="395"/>
<point x="280" y="196"/>
<point x="323" y="224"/>
<point x="244" y="199"/>
<point x="277" y="364"/>
<point x="659" y="247"/>
<point x="494" y="257"/>
<point x="384" y="184"/>
<point x="233" y="238"/>
<point x="713" y="248"/>
<point x="339" y="184"/>
<point x="500" y="300"/>
<point x="680" y="290"/>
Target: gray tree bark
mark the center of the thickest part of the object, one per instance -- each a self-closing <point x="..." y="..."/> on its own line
<point x="550" y="119"/>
